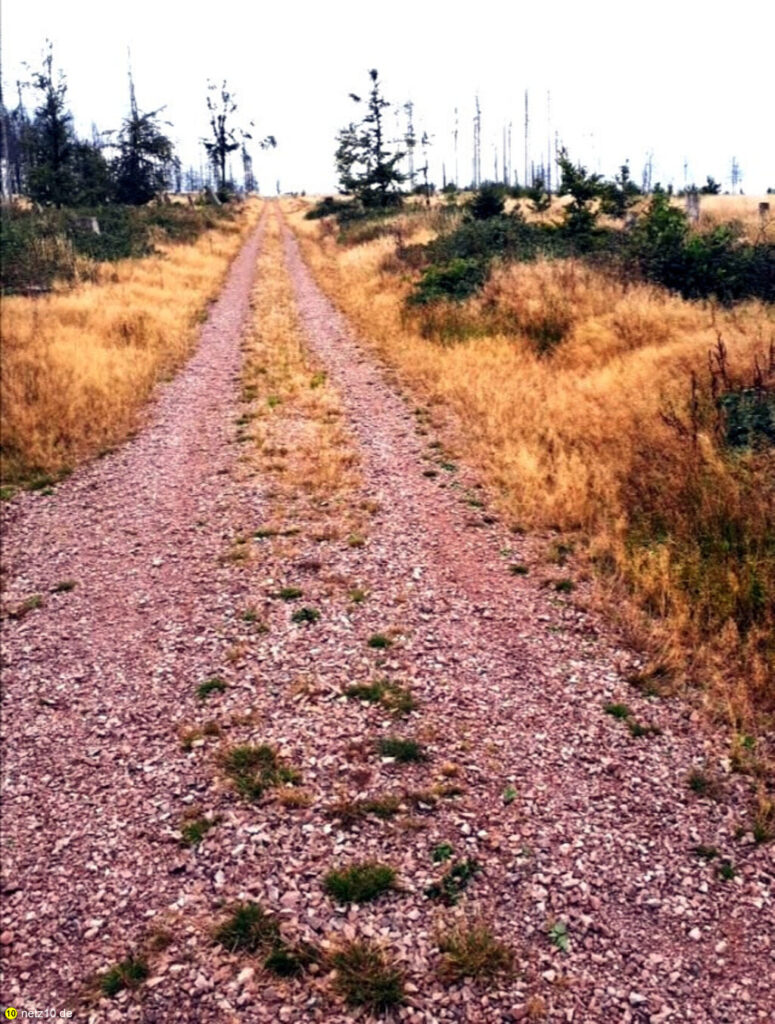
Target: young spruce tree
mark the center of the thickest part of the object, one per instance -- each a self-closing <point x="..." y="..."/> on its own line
<point x="367" y="166"/>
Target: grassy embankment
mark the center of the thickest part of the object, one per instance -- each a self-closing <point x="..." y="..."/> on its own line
<point x="79" y="362"/>
<point x="572" y="393"/>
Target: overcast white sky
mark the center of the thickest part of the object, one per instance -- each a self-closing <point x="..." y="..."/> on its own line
<point x="677" y="79"/>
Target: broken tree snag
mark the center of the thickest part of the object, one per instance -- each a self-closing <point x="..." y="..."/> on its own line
<point x="693" y="206"/>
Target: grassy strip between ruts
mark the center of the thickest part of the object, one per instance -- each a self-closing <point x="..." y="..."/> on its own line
<point x="293" y="424"/>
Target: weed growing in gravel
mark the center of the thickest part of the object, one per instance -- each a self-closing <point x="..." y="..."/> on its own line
<point x="366" y="977"/>
<point x="360" y="883"/>
<point x="193" y="830"/>
<point x="703" y="784"/>
<point x="535" y="1007"/>
<point x="213" y="685"/>
<point x="472" y="951"/>
<point x="239" y="551"/>
<point x="64" y="587"/>
<point x="381" y="807"/>
<point x="422" y="800"/>
<point x="454" y="881"/>
<point x="289" y="593"/>
<point x="305" y="615"/>
<point x="249" y="929"/>
<point x="357" y="596"/>
<point x="617" y="710"/>
<point x="293" y="799"/>
<point x="356" y="540"/>
<point x="398" y="699"/>
<point x="29" y="604"/>
<point x="401" y="750"/>
<point x="130" y="973"/>
<point x="449" y="790"/>
<point x="391" y="695"/>
<point x="652" y="682"/>
<point x="289" y="961"/>
<point x="564" y="586"/>
<point x="558" y="936"/>
<point x="379" y="641"/>
<point x="254" y="769"/>
<point x="158" y="939"/>
<point x="705" y="852"/>
<point x="250" y="615"/>
<point x="350" y="812"/>
<point x="726" y="870"/>
<point x="509" y="795"/>
<point x="372" y="693"/>
<point x="189" y="736"/>
<point x="743" y="757"/>
<point x="441" y="852"/>
<point x="638" y="729"/>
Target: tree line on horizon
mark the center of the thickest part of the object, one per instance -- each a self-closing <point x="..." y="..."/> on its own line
<point x="377" y="169"/>
<point x="43" y="158"/>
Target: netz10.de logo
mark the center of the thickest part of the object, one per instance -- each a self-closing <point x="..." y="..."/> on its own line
<point x="12" y="1013"/>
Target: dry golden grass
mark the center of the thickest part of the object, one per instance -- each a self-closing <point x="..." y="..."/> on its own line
<point x="299" y="440"/>
<point x="596" y="439"/>
<point x="742" y="210"/>
<point x="78" y="365"/>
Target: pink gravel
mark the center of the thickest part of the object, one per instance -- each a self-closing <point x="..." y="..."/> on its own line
<point x="510" y="679"/>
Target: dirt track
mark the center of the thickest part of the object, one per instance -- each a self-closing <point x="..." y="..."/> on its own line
<point x="510" y="678"/>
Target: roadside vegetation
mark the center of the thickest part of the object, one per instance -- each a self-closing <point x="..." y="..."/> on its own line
<point x="79" y="364"/>
<point x="639" y="351"/>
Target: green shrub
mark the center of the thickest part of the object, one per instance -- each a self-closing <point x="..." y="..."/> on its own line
<point x="719" y="263"/>
<point x="326" y="208"/>
<point x="487" y="202"/>
<point x="38" y="246"/>
<point x="749" y="417"/>
<point x="455" y="281"/>
<point x="33" y="251"/>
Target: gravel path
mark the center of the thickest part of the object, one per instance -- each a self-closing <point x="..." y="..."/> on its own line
<point x="93" y="678"/>
<point x="597" y="828"/>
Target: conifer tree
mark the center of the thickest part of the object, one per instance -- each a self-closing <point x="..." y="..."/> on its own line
<point x="367" y="166"/>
